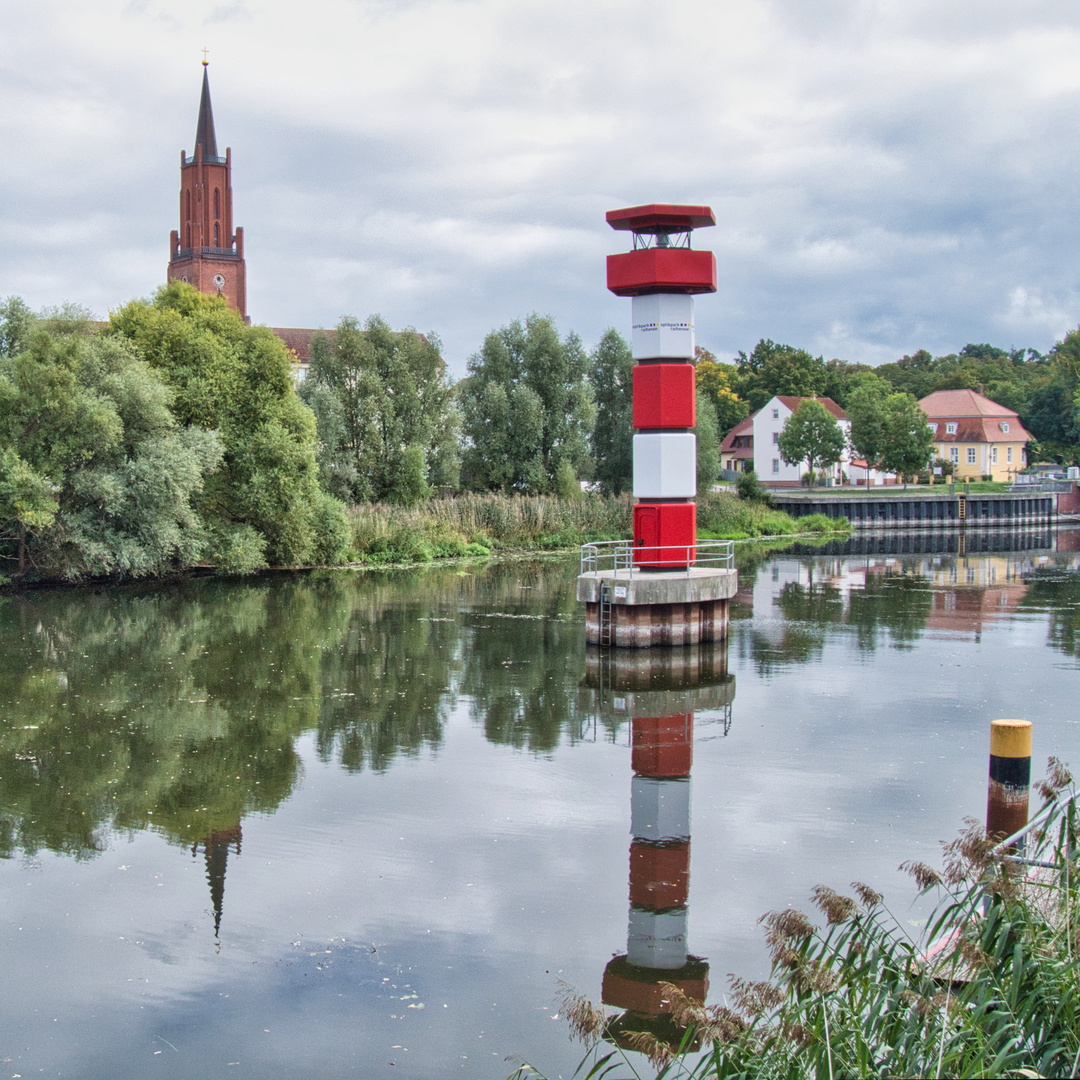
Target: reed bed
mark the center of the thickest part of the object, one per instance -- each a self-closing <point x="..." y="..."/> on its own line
<point x="478" y="524"/>
<point x="466" y="525"/>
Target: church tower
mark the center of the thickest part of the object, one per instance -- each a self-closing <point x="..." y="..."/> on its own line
<point x="206" y="252"/>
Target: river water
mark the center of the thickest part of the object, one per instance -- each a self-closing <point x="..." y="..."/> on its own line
<point x="367" y="825"/>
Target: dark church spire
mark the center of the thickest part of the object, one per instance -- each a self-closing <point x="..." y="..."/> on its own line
<point x="204" y="134"/>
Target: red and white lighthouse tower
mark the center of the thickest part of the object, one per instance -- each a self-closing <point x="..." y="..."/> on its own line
<point x="661" y="275"/>
<point x="629" y="600"/>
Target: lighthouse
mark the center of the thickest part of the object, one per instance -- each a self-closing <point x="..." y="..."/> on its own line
<point x="660" y="692"/>
<point x="664" y="587"/>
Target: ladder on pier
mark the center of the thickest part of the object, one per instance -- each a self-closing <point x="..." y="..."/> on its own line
<point x="607" y="615"/>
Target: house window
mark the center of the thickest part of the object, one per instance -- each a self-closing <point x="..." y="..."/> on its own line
<point x="1008" y="454"/>
<point x="971" y="455"/>
<point x="950" y="429"/>
<point x="1004" y="425"/>
<point x="993" y="455"/>
<point x="775" y="437"/>
<point x="776" y="414"/>
<point x="933" y="428"/>
<point x="775" y="464"/>
<point x="954" y="454"/>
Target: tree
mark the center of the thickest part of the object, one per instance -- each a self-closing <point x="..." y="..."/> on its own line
<point x="96" y="476"/>
<point x="708" y="444"/>
<point x="527" y="408"/>
<point x="717" y="380"/>
<point x="866" y="411"/>
<point x="611" y="376"/>
<point x="385" y="412"/>
<point x="264" y="504"/>
<point x="811" y="434"/>
<point x="907" y="442"/>
<point x="778" y="369"/>
<point x="15" y="322"/>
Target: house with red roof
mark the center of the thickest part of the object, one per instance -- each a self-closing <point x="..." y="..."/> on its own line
<point x="979" y="436"/>
<point x="755" y="444"/>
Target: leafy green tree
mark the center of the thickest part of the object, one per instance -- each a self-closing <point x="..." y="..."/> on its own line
<point x="717" y="380"/>
<point x="527" y="408"/>
<point x="866" y="411"/>
<point x="778" y="369"/>
<point x="811" y="434"/>
<point x="15" y="322"/>
<point x="263" y="503"/>
<point x="708" y="443"/>
<point x="611" y="376"/>
<point x="385" y="412"/>
<point x="97" y="476"/>
<point x="907" y="441"/>
<point x="28" y="503"/>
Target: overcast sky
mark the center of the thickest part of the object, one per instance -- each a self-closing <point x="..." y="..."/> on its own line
<point x="886" y="176"/>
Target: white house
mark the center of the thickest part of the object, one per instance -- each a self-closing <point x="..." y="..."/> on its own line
<point x="774" y="471"/>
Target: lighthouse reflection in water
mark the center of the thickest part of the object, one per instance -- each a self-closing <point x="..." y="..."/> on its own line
<point x="661" y="692"/>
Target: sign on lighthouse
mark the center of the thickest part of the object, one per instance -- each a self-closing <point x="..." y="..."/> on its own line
<point x="661" y="275"/>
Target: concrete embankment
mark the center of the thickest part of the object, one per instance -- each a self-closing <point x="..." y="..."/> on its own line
<point x="922" y="510"/>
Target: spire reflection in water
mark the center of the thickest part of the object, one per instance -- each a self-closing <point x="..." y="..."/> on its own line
<point x="662" y="692"/>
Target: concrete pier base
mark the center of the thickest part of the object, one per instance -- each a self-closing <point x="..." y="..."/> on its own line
<point x="637" y="609"/>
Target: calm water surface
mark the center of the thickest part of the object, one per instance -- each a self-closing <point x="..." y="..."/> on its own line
<point x="363" y="825"/>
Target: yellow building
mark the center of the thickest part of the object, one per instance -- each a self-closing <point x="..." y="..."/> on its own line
<point x="979" y="436"/>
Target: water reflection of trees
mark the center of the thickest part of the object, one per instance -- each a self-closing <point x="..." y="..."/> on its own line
<point x="177" y="709"/>
<point x="173" y="710"/>
<point x="1056" y="590"/>
<point x="523" y="662"/>
<point x="886" y="608"/>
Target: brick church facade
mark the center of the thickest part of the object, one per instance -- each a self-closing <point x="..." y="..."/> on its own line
<point x="207" y="251"/>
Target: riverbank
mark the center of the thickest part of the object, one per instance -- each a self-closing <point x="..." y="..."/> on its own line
<point x="477" y="525"/>
<point x="471" y="526"/>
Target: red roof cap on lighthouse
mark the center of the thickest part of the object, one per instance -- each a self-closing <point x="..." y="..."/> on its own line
<point x="662" y="217"/>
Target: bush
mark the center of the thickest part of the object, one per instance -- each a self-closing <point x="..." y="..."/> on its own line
<point x="751" y="489"/>
<point x="819" y="523"/>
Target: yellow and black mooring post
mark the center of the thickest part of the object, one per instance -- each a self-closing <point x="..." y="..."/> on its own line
<point x="1010" y="778"/>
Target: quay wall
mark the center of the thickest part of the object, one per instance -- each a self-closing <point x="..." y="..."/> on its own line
<point x="921" y="510"/>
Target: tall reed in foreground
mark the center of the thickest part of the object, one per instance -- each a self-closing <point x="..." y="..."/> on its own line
<point x="992" y="990"/>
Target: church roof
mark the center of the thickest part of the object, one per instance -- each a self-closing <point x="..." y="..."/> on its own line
<point x="204" y="133"/>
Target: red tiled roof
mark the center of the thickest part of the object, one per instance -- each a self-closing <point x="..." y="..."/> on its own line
<point x="299" y="340"/>
<point x="954" y="403"/>
<point x="982" y="429"/>
<point x="743" y="427"/>
<point x="793" y="403"/>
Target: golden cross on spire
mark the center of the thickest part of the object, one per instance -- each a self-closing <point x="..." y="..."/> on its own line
<point x="205" y="62"/>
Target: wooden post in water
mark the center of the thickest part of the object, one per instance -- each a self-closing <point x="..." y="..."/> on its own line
<point x="1010" y="778"/>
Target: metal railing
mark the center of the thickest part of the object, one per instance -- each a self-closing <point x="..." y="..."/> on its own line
<point x="220" y="252"/>
<point x="622" y="556"/>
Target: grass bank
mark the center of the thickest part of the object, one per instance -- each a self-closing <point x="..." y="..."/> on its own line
<point x="991" y="990"/>
<point x="477" y="525"/>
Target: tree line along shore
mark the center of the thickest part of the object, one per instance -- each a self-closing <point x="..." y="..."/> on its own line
<point x="176" y="436"/>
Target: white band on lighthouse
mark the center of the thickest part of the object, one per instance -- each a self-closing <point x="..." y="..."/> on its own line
<point x="657" y="939"/>
<point x="659" y="809"/>
<point x="663" y="326"/>
<point x="665" y="465"/>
